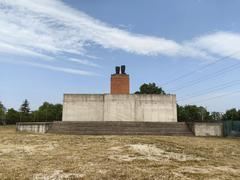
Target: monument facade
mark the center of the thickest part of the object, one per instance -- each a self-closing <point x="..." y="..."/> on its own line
<point x="120" y="105"/>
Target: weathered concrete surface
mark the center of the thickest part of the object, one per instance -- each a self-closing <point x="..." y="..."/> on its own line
<point x="208" y="129"/>
<point x="119" y="107"/>
<point x="156" y="108"/>
<point x="83" y="107"/>
<point x="109" y="107"/>
<point x="36" y="127"/>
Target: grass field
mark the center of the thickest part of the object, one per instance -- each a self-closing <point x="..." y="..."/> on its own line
<point x="48" y="156"/>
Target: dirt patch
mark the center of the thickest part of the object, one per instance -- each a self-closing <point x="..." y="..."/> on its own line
<point x="151" y="153"/>
<point x="208" y="169"/>
<point x="219" y="172"/>
<point x="57" y="174"/>
<point x="26" y="149"/>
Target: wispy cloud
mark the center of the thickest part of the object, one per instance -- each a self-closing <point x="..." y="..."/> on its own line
<point x="11" y="49"/>
<point x="50" y="28"/>
<point x="51" y="67"/>
<point x="84" y="61"/>
<point x="219" y="43"/>
<point x="62" y="69"/>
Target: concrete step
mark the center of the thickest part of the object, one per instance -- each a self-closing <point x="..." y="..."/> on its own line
<point x="120" y="124"/>
<point x="123" y="133"/>
<point x="123" y="127"/>
<point x="123" y="130"/>
<point x="120" y="128"/>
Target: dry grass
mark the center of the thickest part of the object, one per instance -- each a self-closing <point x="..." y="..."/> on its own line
<point x="48" y="156"/>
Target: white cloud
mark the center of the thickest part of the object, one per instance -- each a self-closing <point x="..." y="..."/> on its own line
<point x="84" y="61"/>
<point x="219" y="43"/>
<point x="51" y="67"/>
<point x="10" y="49"/>
<point x="50" y="28"/>
<point x="62" y="69"/>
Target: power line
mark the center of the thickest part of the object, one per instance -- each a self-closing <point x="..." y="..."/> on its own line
<point x="213" y="89"/>
<point x="226" y="94"/>
<point x="210" y="76"/>
<point x="204" y="67"/>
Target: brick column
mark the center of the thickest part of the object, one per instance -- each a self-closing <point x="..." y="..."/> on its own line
<point x="120" y="84"/>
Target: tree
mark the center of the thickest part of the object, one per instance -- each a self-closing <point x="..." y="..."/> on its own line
<point x="25" y="111"/>
<point x="150" y="88"/>
<point x="58" y="111"/>
<point x="2" y="113"/>
<point x="232" y="114"/>
<point x="12" y="116"/>
<point x="216" y="116"/>
<point x="192" y="113"/>
<point x="181" y="113"/>
<point x="49" y="112"/>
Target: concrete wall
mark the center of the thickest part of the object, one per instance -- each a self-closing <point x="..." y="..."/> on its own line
<point x="36" y="127"/>
<point x="208" y="129"/>
<point x="80" y="107"/>
<point x="119" y="108"/>
<point x="108" y="107"/>
<point x="156" y="108"/>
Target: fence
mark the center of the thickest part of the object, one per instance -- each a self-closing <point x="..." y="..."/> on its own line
<point x="231" y="128"/>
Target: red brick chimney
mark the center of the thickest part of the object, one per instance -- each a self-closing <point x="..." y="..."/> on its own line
<point x="120" y="82"/>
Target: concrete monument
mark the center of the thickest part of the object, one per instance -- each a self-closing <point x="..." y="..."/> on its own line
<point x="120" y="105"/>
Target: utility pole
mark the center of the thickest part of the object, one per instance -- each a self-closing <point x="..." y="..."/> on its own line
<point x="46" y="112"/>
<point x="34" y="118"/>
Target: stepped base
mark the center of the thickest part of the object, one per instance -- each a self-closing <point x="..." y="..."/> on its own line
<point x="120" y="128"/>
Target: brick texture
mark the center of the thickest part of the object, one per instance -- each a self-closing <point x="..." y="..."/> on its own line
<point x="120" y="84"/>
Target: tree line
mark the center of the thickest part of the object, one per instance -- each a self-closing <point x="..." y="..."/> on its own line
<point x="46" y="112"/>
<point x="199" y="113"/>
<point x="53" y="112"/>
<point x="192" y="112"/>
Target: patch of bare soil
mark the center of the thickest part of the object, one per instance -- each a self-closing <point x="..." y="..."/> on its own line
<point x="150" y="152"/>
<point x="57" y="174"/>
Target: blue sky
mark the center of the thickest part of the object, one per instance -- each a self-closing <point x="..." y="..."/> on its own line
<point x="52" y="47"/>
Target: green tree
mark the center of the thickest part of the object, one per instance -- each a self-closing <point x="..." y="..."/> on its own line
<point x="232" y="114"/>
<point x="2" y="113"/>
<point x="181" y="113"/>
<point x="216" y="116"/>
<point x="192" y="113"/>
<point x="12" y="116"/>
<point x="58" y="108"/>
<point x="49" y="112"/>
<point x="150" y="88"/>
<point x="25" y="111"/>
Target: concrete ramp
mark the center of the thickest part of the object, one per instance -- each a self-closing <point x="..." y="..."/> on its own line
<point x="120" y="128"/>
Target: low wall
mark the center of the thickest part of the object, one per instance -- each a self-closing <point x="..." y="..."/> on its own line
<point x="36" y="127"/>
<point x="208" y="129"/>
<point x="109" y="107"/>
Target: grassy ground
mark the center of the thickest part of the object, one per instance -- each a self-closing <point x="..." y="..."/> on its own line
<point x="48" y="156"/>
